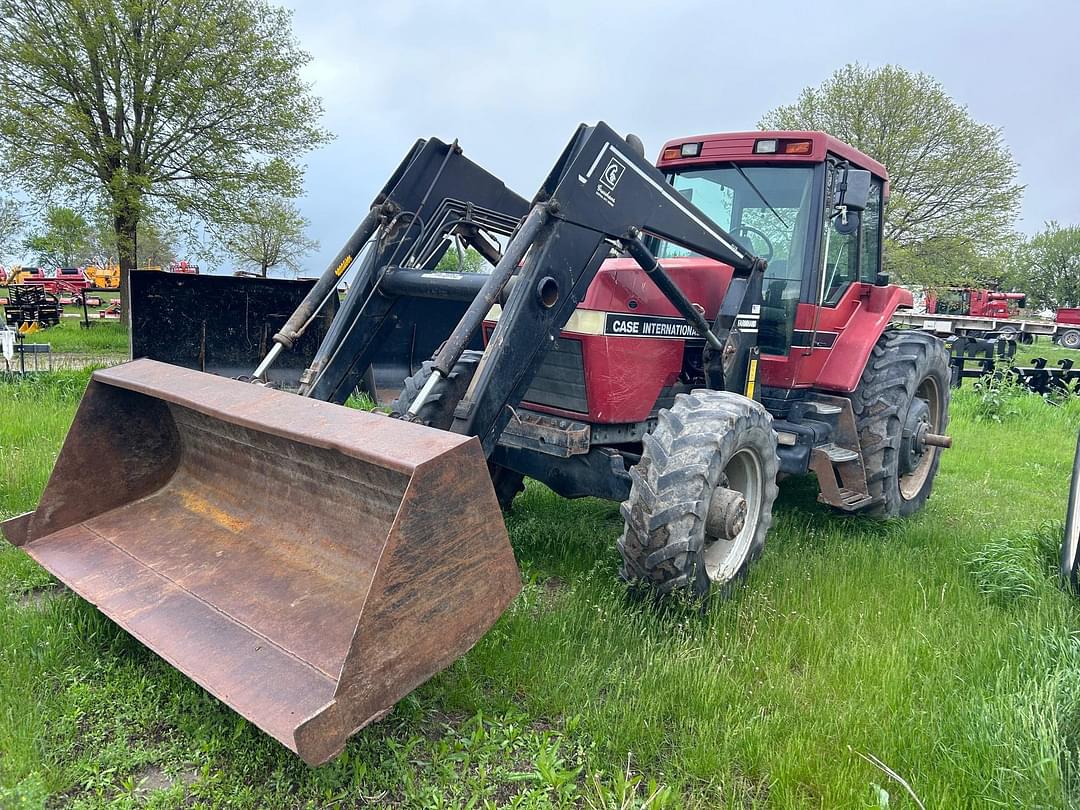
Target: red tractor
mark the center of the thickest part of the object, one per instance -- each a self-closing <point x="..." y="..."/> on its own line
<point x="978" y="303"/>
<point x="674" y="337"/>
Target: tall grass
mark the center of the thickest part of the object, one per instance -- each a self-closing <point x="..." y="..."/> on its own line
<point x="939" y="645"/>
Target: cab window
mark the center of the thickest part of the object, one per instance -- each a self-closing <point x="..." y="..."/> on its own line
<point x="870" y="236"/>
<point x="852" y="252"/>
<point x="768" y="210"/>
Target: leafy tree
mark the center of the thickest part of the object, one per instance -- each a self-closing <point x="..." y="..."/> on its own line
<point x="188" y="105"/>
<point x="154" y="242"/>
<point x="1047" y="267"/>
<point x="64" y="241"/>
<point x="951" y="262"/>
<point x="468" y="260"/>
<point x="11" y="223"/>
<point x="268" y="235"/>
<point x="953" y="192"/>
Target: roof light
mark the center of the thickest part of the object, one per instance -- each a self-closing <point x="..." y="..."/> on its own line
<point x="672" y="153"/>
<point x="766" y="147"/>
<point x="691" y="150"/>
<point x="797" y="148"/>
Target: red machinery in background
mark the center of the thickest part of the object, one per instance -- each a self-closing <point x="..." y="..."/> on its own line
<point x="978" y="303"/>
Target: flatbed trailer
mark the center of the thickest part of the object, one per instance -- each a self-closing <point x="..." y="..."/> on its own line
<point x="1025" y="330"/>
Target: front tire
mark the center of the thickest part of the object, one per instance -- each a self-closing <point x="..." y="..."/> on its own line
<point x="904" y="391"/>
<point x="701" y="500"/>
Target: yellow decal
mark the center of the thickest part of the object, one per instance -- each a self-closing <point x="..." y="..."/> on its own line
<point x="341" y="268"/>
<point x="751" y="378"/>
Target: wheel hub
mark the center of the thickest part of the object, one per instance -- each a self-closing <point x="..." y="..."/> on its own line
<point x="913" y="438"/>
<point x="727" y="514"/>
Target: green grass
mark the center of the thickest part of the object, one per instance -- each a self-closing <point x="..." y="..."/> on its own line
<point x="1044" y="348"/>
<point x="940" y="645"/>
<point x="102" y="337"/>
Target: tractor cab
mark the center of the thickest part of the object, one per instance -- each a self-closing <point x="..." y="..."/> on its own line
<point x="790" y="197"/>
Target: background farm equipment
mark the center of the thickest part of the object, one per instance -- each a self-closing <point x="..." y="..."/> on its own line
<point x="312" y="564"/>
<point x="990" y="359"/>
<point x="979" y="303"/>
<point x="31" y="304"/>
<point x="1064" y="329"/>
<point x="985" y="353"/>
<point x="103" y="277"/>
<point x="220" y="324"/>
<point x="15" y="351"/>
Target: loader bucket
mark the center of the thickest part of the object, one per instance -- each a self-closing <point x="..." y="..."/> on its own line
<point x="306" y="563"/>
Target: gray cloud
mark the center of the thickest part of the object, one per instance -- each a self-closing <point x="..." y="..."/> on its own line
<point x="512" y="81"/>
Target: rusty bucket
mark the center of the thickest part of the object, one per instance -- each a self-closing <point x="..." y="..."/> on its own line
<point x="308" y="564"/>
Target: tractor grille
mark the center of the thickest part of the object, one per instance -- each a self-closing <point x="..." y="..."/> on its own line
<point x="560" y="382"/>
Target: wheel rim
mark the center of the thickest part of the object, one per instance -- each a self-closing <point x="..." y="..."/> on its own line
<point x="724" y="557"/>
<point x="912" y="483"/>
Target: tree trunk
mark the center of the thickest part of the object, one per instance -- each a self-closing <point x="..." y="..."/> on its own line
<point x="264" y="269"/>
<point x="125" y="224"/>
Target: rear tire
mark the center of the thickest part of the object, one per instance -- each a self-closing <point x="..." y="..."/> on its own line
<point x="905" y="382"/>
<point x="708" y="444"/>
<point x="1070" y="339"/>
<point x="438" y="412"/>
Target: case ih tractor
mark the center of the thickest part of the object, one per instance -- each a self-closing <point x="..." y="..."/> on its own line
<point x="674" y="337"/>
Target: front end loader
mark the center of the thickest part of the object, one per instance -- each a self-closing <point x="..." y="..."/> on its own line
<point x="671" y="337"/>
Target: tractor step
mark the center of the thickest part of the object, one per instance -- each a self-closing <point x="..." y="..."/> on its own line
<point x="837" y="454"/>
<point x="852" y="500"/>
<point x="823" y="408"/>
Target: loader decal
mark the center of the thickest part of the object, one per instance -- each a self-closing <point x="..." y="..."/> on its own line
<point x="619" y="325"/>
<point x="609" y="178"/>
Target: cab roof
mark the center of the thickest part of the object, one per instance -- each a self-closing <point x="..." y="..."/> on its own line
<point x="739" y="146"/>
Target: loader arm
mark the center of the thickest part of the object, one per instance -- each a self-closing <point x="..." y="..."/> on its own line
<point x="600" y="196"/>
<point x="435" y="193"/>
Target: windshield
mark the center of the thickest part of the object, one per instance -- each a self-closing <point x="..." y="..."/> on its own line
<point x="767" y="209"/>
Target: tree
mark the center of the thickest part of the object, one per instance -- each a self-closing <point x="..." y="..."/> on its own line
<point x="468" y="260"/>
<point x="11" y="223"/>
<point x="1047" y="267"/>
<point x="64" y="241"/>
<point x="188" y="105"/>
<point x="154" y="242"/>
<point x="951" y="177"/>
<point x="269" y="234"/>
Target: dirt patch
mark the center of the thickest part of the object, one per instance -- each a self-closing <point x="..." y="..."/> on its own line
<point x="152" y="778"/>
<point x="554" y="586"/>
<point x="39" y="597"/>
<point x="79" y="360"/>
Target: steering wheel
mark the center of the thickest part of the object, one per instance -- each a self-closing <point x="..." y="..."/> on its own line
<point x="768" y="245"/>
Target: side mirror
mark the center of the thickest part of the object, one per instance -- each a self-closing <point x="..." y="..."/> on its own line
<point x="854" y="190"/>
<point x="848" y="224"/>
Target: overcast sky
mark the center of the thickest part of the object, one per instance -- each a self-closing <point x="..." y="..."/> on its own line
<point x="511" y="81"/>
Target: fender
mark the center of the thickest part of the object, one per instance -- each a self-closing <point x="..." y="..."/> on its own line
<point x="849" y="354"/>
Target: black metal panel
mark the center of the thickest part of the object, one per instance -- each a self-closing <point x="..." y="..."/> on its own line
<point x="560" y="381"/>
<point x="779" y="401"/>
<point x="220" y="324"/>
<point x="600" y="473"/>
<point x="239" y="315"/>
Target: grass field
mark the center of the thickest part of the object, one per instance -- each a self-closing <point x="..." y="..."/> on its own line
<point x="940" y="647"/>
<point x="70" y="336"/>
